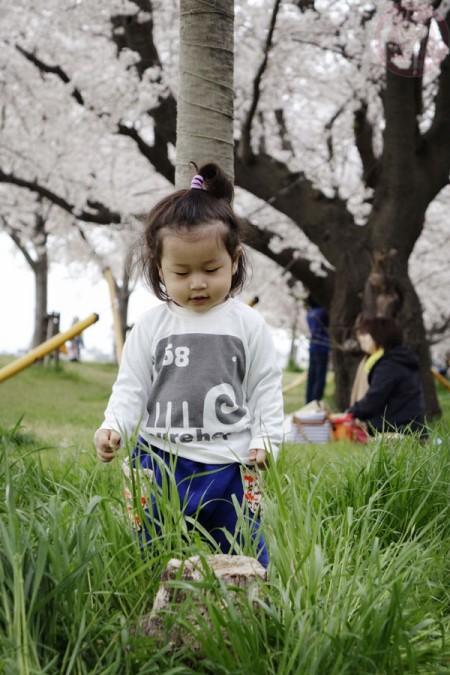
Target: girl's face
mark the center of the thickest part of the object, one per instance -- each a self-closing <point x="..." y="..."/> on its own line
<point x="367" y="343"/>
<point x="196" y="268"/>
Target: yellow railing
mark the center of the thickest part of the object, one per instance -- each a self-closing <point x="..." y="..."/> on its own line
<point x="46" y="347"/>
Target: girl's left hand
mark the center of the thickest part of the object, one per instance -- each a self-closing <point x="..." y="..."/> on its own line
<point x="258" y="456"/>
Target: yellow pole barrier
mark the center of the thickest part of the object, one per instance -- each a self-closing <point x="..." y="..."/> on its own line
<point x="440" y="378"/>
<point x="118" y="335"/>
<point x="46" y="347"/>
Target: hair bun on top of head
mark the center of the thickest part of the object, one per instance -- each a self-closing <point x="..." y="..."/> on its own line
<point x="212" y="178"/>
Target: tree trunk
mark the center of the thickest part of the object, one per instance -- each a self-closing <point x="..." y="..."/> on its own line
<point x="344" y="310"/>
<point x="388" y="289"/>
<point x="40" y="270"/>
<point x="206" y="93"/>
<point x="123" y="300"/>
<point x="390" y="292"/>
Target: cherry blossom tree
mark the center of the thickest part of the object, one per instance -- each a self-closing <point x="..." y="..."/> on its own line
<point x="62" y="149"/>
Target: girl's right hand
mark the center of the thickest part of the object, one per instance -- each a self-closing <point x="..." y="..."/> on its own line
<point x="258" y="456"/>
<point x="107" y="442"/>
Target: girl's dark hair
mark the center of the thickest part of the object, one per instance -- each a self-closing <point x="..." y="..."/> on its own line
<point x="385" y="331"/>
<point x="183" y="211"/>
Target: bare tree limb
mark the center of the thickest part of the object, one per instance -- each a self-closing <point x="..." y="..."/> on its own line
<point x="14" y="234"/>
<point x="94" y="212"/>
<point x="244" y="148"/>
<point x="54" y="70"/>
<point x="435" y="156"/>
<point x="283" y="131"/>
<point x="299" y="267"/>
<point x="364" y="143"/>
<point x="438" y="329"/>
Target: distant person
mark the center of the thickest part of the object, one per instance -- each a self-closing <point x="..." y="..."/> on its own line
<point x="199" y="377"/>
<point x="394" y="401"/>
<point x="319" y="348"/>
<point x="76" y="344"/>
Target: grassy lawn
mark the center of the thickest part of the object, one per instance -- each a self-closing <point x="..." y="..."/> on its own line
<point x="359" y="541"/>
<point x="61" y="406"/>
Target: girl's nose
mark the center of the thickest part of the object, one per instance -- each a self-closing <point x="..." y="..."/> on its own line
<point x="198" y="281"/>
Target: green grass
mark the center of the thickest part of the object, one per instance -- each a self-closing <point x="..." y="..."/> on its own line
<point x="359" y="540"/>
<point x="62" y="405"/>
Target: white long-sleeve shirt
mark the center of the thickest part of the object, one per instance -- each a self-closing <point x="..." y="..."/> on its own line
<point x="206" y="386"/>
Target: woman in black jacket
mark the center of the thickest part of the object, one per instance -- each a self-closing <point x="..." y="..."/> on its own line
<point x="394" y="401"/>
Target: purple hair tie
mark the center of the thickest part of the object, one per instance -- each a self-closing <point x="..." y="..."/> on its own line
<point x="197" y="182"/>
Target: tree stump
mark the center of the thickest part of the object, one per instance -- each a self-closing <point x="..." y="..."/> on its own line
<point x="224" y="577"/>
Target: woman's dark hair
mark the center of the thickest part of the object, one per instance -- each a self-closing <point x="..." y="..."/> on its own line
<point x="185" y="210"/>
<point x="385" y="331"/>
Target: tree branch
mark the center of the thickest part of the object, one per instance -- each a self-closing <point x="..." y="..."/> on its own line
<point x="15" y="236"/>
<point x="283" y="131"/>
<point x="364" y="143"/>
<point x="325" y="221"/>
<point x="437" y="329"/>
<point x="244" y="148"/>
<point x="94" y="212"/>
<point x="436" y="156"/>
<point x="299" y="267"/>
<point x="135" y="32"/>
<point x="157" y="153"/>
<point x="54" y="70"/>
<point x="304" y="5"/>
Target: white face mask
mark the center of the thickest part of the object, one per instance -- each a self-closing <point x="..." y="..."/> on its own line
<point x="367" y="343"/>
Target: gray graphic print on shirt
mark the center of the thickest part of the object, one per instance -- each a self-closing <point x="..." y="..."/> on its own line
<point x="197" y="386"/>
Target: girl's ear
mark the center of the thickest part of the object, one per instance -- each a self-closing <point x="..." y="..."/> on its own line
<point x="237" y="255"/>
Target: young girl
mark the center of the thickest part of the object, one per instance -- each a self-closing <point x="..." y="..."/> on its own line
<point x="199" y="376"/>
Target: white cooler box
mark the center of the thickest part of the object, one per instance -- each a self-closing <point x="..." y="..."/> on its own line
<point x="311" y="424"/>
